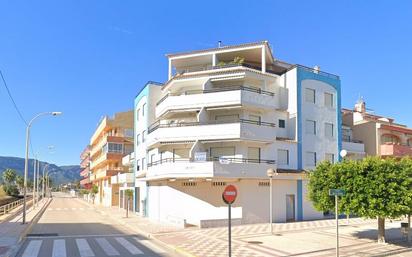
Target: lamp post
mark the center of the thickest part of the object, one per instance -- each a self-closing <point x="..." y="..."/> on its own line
<point x="26" y="161"/>
<point x="270" y="172"/>
<point x="34" y="181"/>
<point x="42" y="184"/>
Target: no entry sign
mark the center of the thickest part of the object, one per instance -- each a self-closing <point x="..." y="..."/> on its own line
<point x="229" y="194"/>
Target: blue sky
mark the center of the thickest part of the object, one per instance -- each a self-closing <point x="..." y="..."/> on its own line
<point x="90" y="58"/>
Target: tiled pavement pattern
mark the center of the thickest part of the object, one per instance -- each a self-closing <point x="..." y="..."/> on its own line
<point x="213" y="242"/>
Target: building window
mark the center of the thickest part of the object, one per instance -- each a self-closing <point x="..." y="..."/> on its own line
<point x="253" y="154"/>
<point x="283" y="157"/>
<point x="137" y="164"/>
<point x="311" y="127"/>
<point x="390" y="139"/>
<point x="310" y="159"/>
<point x="409" y="142"/>
<point x="328" y="100"/>
<point x="143" y="163"/>
<point x="113" y="148"/>
<point x="217" y="152"/>
<point x="152" y="158"/>
<point x="137" y="114"/>
<point x="143" y="136"/>
<point x="282" y="124"/>
<point x="310" y="95"/>
<point x="264" y="183"/>
<point x="138" y="139"/>
<point x="218" y="183"/>
<point x="330" y="157"/>
<point x="255" y="118"/>
<point x="128" y="132"/>
<point x="143" y="110"/>
<point x="329" y="130"/>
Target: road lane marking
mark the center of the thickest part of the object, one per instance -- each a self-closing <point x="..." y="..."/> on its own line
<point x="84" y="248"/>
<point x="107" y="247"/>
<point x="59" y="248"/>
<point x="152" y="246"/>
<point x="33" y="248"/>
<point x="58" y="209"/>
<point x="129" y="246"/>
<point x="73" y="209"/>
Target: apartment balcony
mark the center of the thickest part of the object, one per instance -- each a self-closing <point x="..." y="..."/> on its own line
<point x="109" y="139"/>
<point x="213" y="130"/>
<point x="85" y="162"/>
<point x="354" y="147"/>
<point x="217" y="97"/>
<point x="396" y="150"/>
<point x="85" y="181"/>
<point x="108" y="172"/>
<point x="223" y="167"/>
<point x="85" y="172"/>
<point x="113" y="156"/>
<point x="123" y="178"/>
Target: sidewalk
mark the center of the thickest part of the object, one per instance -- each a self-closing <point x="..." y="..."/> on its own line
<point x="11" y="229"/>
<point x="213" y="241"/>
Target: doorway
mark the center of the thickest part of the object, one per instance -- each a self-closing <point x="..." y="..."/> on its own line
<point x="290" y="208"/>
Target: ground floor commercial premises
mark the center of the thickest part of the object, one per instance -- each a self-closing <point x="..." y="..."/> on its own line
<point x="198" y="202"/>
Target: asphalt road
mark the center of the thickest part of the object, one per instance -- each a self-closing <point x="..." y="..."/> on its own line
<point x="71" y="228"/>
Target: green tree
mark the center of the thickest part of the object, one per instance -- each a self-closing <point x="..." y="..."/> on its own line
<point x="93" y="191"/>
<point x="129" y="195"/>
<point x="9" y="176"/>
<point x="375" y="188"/>
<point x="20" y="182"/>
<point x="11" y="189"/>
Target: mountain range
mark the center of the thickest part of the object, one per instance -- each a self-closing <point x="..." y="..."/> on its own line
<point x="61" y="174"/>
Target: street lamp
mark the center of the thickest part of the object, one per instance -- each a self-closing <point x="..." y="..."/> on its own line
<point x="42" y="184"/>
<point x="26" y="162"/>
<point x="271" y="172"/>
<point x="343" y="153"/>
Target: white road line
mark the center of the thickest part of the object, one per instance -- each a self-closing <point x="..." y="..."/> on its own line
<point x="152" y="246"/>
<point x="58" y="209"/>
<point x="59" y="248"/>
<point x="50" y="209"/>
<point x="129" y="246"/>
<point x="32" y="249"/>
<point x="84" y="248"/>
<point x="73" y="209"/>
<point x="107" y="247"/>
<point x="65" y="209"/>
<point x="82" y="209"/>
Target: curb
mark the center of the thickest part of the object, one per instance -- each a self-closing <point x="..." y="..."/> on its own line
<point x="15" y="249"/>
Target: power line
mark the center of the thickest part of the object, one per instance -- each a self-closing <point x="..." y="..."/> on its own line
<point x="15" y="107"/>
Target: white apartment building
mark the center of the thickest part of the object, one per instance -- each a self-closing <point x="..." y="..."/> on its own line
<point x="225" y="116"/>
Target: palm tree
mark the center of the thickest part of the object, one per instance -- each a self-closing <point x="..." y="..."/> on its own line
<point x="9" y="176"/>
<point x="129" y="195"/>
<point x="20" y="181"/>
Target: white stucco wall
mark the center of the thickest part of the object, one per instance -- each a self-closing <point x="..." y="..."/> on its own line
<point x="318" y="112"/>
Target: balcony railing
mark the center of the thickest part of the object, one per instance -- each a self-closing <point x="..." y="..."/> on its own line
<point x="214" y="90"/>
<point x="157" y="124"/>
<point x="211" y="159"/>
<point x="325" y="74"/>
<point x="346" y="138"/>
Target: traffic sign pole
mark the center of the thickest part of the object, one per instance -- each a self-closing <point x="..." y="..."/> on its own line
<point x="230" y="229"/>
<point x="337" y="225"/>
<point x="229" y="196"/>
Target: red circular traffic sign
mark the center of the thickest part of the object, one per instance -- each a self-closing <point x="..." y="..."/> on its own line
<point x="229" y="194"/>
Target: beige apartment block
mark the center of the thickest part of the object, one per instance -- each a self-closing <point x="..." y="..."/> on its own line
<point x="112" y="140"/>
<point x="381" y="136"/>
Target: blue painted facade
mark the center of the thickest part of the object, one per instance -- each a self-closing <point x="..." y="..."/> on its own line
<point x="299" y="203"/>
<point x="304" y="73"/>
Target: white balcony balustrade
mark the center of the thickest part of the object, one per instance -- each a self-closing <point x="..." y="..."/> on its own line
<point x="240" y="129"/>
<point x="217" y="97"/>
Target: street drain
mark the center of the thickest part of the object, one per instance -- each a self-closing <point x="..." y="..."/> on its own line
<point x="255" y="242"/>
<point x="42" y="235"/>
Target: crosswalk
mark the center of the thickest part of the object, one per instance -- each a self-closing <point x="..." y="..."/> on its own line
<point x="89" y="247"/>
